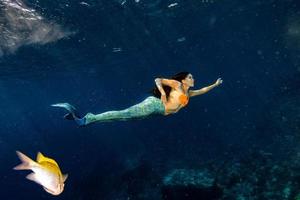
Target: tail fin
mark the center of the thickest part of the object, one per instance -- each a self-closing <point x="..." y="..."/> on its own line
<point x="81" y="121"/>
<point x="27" y="163"/>
<point x="66" y="106"/>
<point x="72" y="113"/>
<point x="69" y="116"/>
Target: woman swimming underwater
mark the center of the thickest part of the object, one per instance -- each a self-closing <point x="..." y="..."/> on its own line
<point x="169" y="96"/>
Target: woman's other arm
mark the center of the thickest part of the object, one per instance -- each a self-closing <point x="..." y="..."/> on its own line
<point x="205" y="89"/>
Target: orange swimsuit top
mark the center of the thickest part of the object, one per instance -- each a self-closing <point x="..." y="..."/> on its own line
<point x="183" y="99"/>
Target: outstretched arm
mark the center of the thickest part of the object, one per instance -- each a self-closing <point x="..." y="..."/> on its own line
<point x="205" y="89"/>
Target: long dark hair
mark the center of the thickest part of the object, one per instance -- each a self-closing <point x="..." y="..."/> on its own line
<point x="178" y="77"/>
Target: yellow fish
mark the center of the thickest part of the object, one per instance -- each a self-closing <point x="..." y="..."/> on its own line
<point x="46" y="172"/>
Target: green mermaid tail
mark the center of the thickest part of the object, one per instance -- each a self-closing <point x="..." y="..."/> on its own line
<point x="150" y="106"/>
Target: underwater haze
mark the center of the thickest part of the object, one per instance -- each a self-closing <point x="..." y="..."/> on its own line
<point x="240" y="141"/>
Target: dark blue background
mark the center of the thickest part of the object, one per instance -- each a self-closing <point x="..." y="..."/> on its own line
<point x="244" y="43"/>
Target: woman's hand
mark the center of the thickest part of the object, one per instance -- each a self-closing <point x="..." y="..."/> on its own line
<point x="219" y="82"/>
<point x="163" y="98"/>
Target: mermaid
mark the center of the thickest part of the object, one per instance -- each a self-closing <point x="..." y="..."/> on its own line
<point x="168" y="97"/>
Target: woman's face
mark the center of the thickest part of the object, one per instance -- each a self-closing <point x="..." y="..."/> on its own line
<point x="189" y="80"/>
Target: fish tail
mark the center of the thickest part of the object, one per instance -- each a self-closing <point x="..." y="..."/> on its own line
<point x="27" y="163"/>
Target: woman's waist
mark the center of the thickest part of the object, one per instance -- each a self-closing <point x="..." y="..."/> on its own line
<point x="172" y="108"/>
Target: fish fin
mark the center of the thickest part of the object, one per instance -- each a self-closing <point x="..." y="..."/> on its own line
<point x="47" y="190"/>
<point x="50" y="191"/>
<point x="41" y="158"/>
<point x="64" y="177"/>
<point x="27" y="163"/>
<point x="33" y="178"/>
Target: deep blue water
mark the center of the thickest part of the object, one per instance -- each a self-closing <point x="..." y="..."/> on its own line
<point x="104" y="55"/>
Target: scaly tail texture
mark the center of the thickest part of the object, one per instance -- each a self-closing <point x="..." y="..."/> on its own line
<point x="27" y="163"/>
<point x="150" y="106"/>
